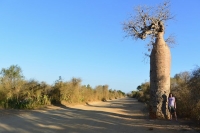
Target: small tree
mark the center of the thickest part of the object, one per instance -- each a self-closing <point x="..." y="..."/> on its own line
<point x="12" y="80"/>
<point x="11" y="75"/>
<point x="150" y="22"/>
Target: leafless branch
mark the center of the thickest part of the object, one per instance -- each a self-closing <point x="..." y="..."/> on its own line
<point x="148" y="22"/>
<point x="170" y="40"/>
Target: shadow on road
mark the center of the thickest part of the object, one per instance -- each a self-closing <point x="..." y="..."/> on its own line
<point x="119" y="116"/>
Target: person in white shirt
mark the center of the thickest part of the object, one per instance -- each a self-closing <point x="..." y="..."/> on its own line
<point x="172" y="106"/>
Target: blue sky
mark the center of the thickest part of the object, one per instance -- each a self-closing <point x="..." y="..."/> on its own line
<point x="85" y="39"/>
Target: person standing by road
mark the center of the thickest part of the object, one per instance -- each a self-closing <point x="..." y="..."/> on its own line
<point x="172" y="106"/>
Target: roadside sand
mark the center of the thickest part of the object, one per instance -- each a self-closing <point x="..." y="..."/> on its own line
<point x="124" y="115"/>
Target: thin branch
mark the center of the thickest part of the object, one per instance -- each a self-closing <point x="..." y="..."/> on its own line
<point x="170" y="40"/>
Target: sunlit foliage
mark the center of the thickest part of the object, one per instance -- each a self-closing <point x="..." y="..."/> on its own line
<point x="16" y="92"/>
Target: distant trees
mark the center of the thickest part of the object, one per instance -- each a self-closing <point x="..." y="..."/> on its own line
<point x="16" y="92"/>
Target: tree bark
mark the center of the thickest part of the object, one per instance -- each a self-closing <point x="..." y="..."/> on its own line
<point x="160" y="62"/>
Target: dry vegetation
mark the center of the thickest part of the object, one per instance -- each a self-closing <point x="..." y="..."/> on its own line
<point x="186" y="88"/>
<point x="15" y="92"/>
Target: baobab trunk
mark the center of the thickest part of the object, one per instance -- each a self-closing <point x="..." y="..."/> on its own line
<point x="160" y="61"/>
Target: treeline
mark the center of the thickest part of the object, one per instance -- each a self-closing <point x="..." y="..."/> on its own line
<point x="16" y="92"/>
<point x="185" y="86"/>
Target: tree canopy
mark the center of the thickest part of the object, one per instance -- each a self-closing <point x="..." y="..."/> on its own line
<point x="148" y="22"/>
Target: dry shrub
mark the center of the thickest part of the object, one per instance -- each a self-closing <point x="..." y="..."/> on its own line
<point x="186" y="88"/>
<point x="73" y="92"/>
<point x="194" y="86"/>
<point x="15" y="92"/>
<point x="143" y="92"/>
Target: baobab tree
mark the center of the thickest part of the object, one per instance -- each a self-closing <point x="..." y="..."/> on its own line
<point x="151" y="22"/>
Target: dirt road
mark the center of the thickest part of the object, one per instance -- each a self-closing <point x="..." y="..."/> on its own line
<point x="117" y="116"/>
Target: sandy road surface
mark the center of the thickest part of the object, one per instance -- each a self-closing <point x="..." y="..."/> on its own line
<point x="117" y="116"/>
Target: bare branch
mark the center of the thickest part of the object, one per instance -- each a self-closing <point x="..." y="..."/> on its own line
<point x="163" y="12"/>
<point x="148" y="22"/>
<point x="170" y="40"/>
